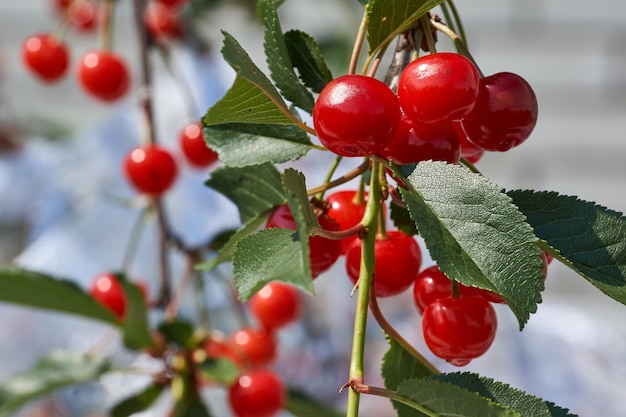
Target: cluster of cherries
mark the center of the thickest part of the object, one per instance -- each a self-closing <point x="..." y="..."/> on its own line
<point x="443" y="109"/>
<point x="258" y="391"/>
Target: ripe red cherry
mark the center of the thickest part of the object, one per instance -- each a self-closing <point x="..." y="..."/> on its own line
<point x="256" y="346"/>
<point x="150" y="169"/>
<point x="276" y="305"/>
<point x="469" y="151"/>
<point x="505" y="113"/>
<point x="193" y="146"/>
<point x="438" y="88"/>
<point x="172" y="3"/>
<point x="323" y="252"/>
<point x="356" y="115"/>
<point x="259" y="393"/>
<point x="46" y="57"/>
<point x="82" y="14"/>
<point x="104" y="75"/>
<point x="415" y="142"/>
<point x="432" y="284"/>
<point x="107" y="290"/>
<point x="398" y="261"/>
<point x="162" y="20"/>
<point x="345" y="209"/>
<point x="459" y="329"/>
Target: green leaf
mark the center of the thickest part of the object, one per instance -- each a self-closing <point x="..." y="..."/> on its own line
<point x="226" y="253"/>
<point x="33" y="289"/>
<point x="475" y="233"/>
<point x="135" y="328"/>
<point x="190" y="407"/>
<point x="279" y="61"/>
<point x="294" y="186"/>
<point x="179" y="332"/>
<point x="273" y="254"/>
<point x="220" y="370"/>
<point x="307" y="57"/>
<point x="399" y="365"/>
<point x="588" y="238"/>
<point x="137" y="402"/>
<point x="388" y="18"/>
<point x="448" y="400"/>
<point x="402" y="219"/>
<point x="59" y="369"/>
<point x="300" y="404"/>
<point x="503" y="394"/>
<point x="242" y="144"/>
<point x="254" y="189"/>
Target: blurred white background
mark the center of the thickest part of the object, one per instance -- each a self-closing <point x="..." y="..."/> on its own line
<point x="573" y="351"/>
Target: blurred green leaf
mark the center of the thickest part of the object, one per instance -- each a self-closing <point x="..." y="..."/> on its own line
<point x="137" y="402"/>
<point x="300" y="404"/>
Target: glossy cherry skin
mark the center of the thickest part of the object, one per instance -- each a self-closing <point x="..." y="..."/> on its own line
<point x="104" y="75"/>
<point x="469" y="150"/>
<point x="107" y="290"/>
<point x="150" y="169"/>
<point x="194" y="147"/>
<point x="416" y="142"/>
<point x="256" y="346"/>
<point x="46" y="57"/>
<point x="505" y="113"/>
<point x="258" y="393"/>
<point x="345" y="209"/>
<point x="356" y="115"/>
<point x="323" y="252"/>
<point x="276" y="305"/>
<point x="162" y="20"/>
<point x="438" y="88"/>
<point x="83" y="14"/>
<point x="398" y="261"/>
<point x="459" y="329"/>
<point x="432" y="284"/>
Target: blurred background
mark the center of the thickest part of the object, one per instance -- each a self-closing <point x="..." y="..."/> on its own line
<point x="61" y="187"/>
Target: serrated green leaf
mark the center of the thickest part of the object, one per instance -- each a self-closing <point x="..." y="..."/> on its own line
<point x="254" y="189"/>
<point x="137" y="402"/>
<point x="33" y="289"/>
<point x="279" y="61"/>
<point x="179" y="332"/>
<point x="59" y="369"/>
<point x="444" y="399"/>
<point x="517" y="400"/>
<point x="300" y="404"/>
<point x="220" y="370"/>
<point x="261" y="6"/>
<point x="241" y="144"/>
<point x="388" y="18"/>
<point x="475" y="233"/>
<point x="294" y="186"/>
<point x="402" y="219"/>
<point x="307" y="57"/>
<point x="273" y="254"/>
<point x="585" y="236"/>
<point x="399" y="365"/>
<point x="135" y="328"/>
<point x="225" y="254"/>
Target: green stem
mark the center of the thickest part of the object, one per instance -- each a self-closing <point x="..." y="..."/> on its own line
<point x="460" y="45"/>
<point x="358" y="44"/>
<point x="133" y="241"/>
<point x="106" y="24"/>
<point x="430" y="41"/>
<point x="366" y="274"/>
<point x="458" y="21"/>
<point x="447" y="16"/>
<point x="341" y="180"/>
<point x="329" y="175"/>
<point x="204" y="317"/>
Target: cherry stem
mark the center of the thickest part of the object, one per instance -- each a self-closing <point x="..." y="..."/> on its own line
<point x="460" y="45"/>
<point x="469" y="165"/>
<point x="329" y="175"/>
<point x="341" y="180"/>
<point x="395" y="335"/>
<point x="133" y="240"/>
<point x="430" y="41"/>
<point x="338" y="234"/>
<point x="458" y="21"/>
<point x="366" y="275"/>
<point x="447" y="16"/>
<point x="396" y="198"/>
<point x="392" y="395"/>
<point x="106" y="24"/>
<point x="358" y="44"/>
<point x="174" y="303"/>
<point x="204" y="316"/>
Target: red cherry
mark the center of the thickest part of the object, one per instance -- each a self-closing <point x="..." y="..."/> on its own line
<point x="107" y="290"/>
<point x="259" y="393"/>
<point x="469" y="151"/>
<point x="104" y="75"/>
<point x="150" y="169"/>
<point x="398" y="261"/>
<point x="505" y="113"/>
<point x="276" y="305"/>
<point x="46" y="57"/>
<point x="438" y="88"/>
<point x="193" y="146"/>
<point x="356" y="115"/>
<point x="415" y="142"/>
<point x="162" y="20"/>
<point x="172" y="3"/>
<point x="82" y="14"/>
<point x="61" y="5"/>
<point x="256" y="346"/>
<point x="223" y="349"/>
<point x="459" y="329"/>
<point x="323" y="251"/>
<point x="345" y="209"/>
<point x="432" y="284"/>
